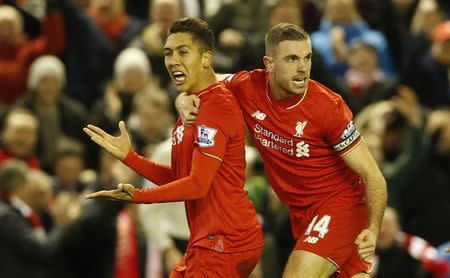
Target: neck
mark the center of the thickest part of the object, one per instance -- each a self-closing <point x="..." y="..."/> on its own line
<point x="276" y="91"/>
<point x="207" y="80"/>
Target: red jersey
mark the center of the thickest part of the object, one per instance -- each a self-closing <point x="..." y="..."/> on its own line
<point x="300" y="139"/>
<point x="224" y="219"/>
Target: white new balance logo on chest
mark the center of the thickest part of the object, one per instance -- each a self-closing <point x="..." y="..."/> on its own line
<point x="259" y="115"/>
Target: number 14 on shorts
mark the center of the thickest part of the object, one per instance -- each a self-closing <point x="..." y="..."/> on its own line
<point x="320" y="226"/>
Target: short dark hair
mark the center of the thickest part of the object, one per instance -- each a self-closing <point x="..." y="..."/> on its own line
<point x="199" y="30"/>
<point x="284" y="32"/>
<point x="13" y="173"/>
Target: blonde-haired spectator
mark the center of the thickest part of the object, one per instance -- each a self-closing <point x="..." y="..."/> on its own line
<point x="19" y="137"/>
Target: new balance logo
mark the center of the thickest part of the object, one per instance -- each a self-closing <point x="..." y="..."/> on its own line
<point x="311" y="239"/>
<point x="302" y="149"/>
<point x="259" y="115"/>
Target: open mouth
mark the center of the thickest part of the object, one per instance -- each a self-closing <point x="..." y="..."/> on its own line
<point x="178" y="77"/>
<point x="299" y="81"/>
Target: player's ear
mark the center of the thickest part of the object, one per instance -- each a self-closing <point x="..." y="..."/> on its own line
<point x="268" y="62"/>
<point x="207" y="59"/>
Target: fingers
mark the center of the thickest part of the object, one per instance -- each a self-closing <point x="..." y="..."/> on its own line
<point x="189" y="119"/>
<point x="97" y="195"/>
<point x="99" y="141"/>
<point x="127" y="188"/>
<point x="196" y="102"/>
<point x="96" y="130"/>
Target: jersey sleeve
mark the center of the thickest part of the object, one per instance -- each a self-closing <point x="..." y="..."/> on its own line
<point x="154" y="172"/>
<point x="194" y="186"/>
<point x="234" y="82"/>
<point x="217" y="124"/>
<point x="341" y="131"/>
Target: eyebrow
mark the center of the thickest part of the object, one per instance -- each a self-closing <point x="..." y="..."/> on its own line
<point x="178" y="47"/>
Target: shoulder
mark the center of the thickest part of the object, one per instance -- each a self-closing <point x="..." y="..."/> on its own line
<point x="221" y="100"/>
<point x="247" y="77"/>
<point x="323" y="95"/>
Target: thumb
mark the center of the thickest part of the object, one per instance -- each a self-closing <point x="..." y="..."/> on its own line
<point x="122" y="128"/>
<point x="361" y="237"/>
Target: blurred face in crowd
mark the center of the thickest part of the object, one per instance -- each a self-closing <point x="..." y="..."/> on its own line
<point x="108" y="9"/>
<point x="10" y="25"/>
<point x="441" y="52"/>
<point x="39" y="190"/>
<point x="20" y="134"/>
<point x="164" y="12"/>
<point x="132" y="80"/>
<point x="186" y="62"/>
<point x="153" y="120"/>
<point x="340" y="11"/>
<point x="48" y="89"/>
<point x="286" y="12"/>
<point x="363" y="59"/>
<point x="390" y="228"/>
<point x="68" y="170"/>
<point x="290" y="64"/>
<point x="439" y="120"/>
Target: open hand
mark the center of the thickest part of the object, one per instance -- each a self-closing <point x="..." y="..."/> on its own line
<point x="124" y="192"/>
<point x="366" y="242"/>
<point x="187" y="106"/>
<point x="118" y="146"/>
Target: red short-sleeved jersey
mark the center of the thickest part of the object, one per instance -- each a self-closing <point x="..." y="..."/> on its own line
<point x="225" y="220"/>
<point x="301" y="140"/>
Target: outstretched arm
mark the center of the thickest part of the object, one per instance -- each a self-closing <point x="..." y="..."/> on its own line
<point x="194" y="186"/>
<point x="362" y="162"/>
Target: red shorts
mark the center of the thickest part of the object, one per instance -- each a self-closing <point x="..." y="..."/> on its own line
<point x="202" y="262"/>
<point x="329" y="230"/>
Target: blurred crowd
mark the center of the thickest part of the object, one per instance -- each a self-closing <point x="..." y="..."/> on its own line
<point x="67" y="63"/>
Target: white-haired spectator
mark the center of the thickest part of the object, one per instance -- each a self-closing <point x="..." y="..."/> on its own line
<point x="133" y="73"/>
<point x="62" y="116"/>
<point x="46" y="67"/>
<point x="132" y="69"/>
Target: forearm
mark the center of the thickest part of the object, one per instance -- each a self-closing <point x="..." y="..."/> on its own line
<point x="194" y="186"/>
<point x="157" y="173"/>
<point x="184" y="189"/>
<point x="376" y="198"/>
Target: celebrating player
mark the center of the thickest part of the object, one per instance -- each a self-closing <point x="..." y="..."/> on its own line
<point x="208" y="164"/>
<point x="314" y="156"/>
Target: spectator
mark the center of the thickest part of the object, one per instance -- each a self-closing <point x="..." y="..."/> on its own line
<point x="366" y="81"/>
<point x="340" y="25"/>
<point x="19" y="137"/>
<point x="62" y="115"/>
<point x="22" y="252"/>
<point x="96" y="38"/>
<point x="430" y="77"/>
<point x="17" y="52"/>
<point x="162" y="14"/>
<point x="132" y="73"/>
